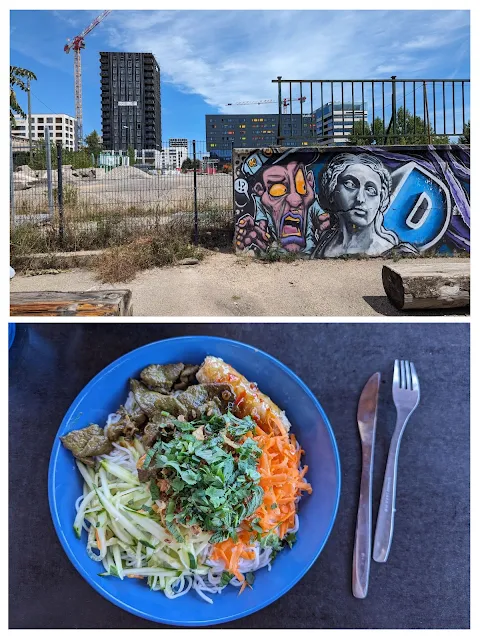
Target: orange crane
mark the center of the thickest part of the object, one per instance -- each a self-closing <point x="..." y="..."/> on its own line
<point x="77" y="44"/>
<point x="285" y="102"/>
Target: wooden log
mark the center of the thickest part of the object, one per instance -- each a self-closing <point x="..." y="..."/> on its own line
<point x="91" y="303"/>
<point x="427" y="285"/>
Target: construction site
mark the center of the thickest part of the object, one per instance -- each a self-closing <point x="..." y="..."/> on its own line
<point x="114" y="198"/>
<point x="125" y="197"/>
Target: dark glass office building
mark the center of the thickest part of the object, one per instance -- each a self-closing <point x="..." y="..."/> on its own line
<point x="258" y="130"/>
<point x="131" y="105"/>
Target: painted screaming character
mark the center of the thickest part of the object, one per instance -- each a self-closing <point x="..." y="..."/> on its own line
<point x="355" y="191"/>
<point x="287" y="212"/>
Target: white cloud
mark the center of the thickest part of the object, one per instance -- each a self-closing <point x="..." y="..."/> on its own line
<point x="232" y="56"/>
<point x="67" y="18"/>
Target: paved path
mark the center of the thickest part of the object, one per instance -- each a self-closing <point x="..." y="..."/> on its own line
<point x="227" y="285"/>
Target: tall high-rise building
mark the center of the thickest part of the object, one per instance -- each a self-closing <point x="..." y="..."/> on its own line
<point x="131" y="103"/>
<point x="334" y="123"/>
<point x="255" y="130"/>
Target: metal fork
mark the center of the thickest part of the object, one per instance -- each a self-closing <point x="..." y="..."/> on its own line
<point x="406" y="395"/>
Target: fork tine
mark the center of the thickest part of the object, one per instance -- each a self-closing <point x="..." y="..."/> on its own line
<point x="396" y="374"/>
<point x="402" y="373"/>
<point x="415" y="382"/>
<point x="408" y="376"/>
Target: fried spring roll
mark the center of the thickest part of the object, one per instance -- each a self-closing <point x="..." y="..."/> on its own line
<point x="248" y="399"/>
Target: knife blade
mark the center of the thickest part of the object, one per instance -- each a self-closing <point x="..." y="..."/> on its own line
<point x="367" y="422"/>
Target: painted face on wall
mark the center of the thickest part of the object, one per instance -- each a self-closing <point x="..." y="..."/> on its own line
<point x="357" y="194"/>
<point x="288" y="192"/>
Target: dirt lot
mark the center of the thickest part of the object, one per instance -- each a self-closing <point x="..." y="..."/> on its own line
<point x="125" y="189"/>
<point x="227" y="285"/>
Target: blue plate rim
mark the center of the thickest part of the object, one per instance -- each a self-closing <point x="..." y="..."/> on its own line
<point x="58" y="527"/>
<point x="12" y="329"/>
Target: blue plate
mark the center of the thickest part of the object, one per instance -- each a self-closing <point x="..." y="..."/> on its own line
<point x="11" y="334"/>
<point x="317" y="512"/>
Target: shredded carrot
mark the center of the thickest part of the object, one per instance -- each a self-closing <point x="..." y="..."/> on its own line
<point x="141" y="460"/>
<point x="281" y="475"/>
<point x="282" y="480"/>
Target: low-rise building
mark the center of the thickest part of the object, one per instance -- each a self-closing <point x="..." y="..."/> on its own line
<point x="60" y="125"/>
<point x="225" y="131"/>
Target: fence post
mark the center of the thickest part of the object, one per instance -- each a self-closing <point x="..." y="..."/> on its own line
<point x="394" y="107"/>
<point x="426" y="114"/>
<point x="60" y="192"/>
<point x="48" y="153"/>
<point x="30" y="133"/>
<point x="279" y="128"/>
<point x="233" y="185"/>
<point x="12" y="194"/>
<point x="195" y="203"/>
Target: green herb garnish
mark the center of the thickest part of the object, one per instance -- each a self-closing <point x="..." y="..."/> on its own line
<point x="212" y="486"/>
<point x="226" y="578"/>
<point x="291" y="538"/>
<point x="250" y="578"/>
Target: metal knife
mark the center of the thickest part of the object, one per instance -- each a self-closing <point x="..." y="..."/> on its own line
<point x="367" y="421"/>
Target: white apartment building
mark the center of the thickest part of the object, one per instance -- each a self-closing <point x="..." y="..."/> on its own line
<point x="60" y="125"/>
<point x="178" y="143"/>
<point x="334" y="125"/>
<point x="172" y="158"/>
<point x="149" y="156"/>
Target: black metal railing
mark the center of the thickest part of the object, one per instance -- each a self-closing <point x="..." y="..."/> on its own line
<point x="386" y="111"/>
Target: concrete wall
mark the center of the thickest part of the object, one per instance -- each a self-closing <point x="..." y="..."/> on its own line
<point x="326" y="202"/>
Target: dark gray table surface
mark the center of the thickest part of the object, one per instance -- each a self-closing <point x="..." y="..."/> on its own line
<point x="424" y="584"/>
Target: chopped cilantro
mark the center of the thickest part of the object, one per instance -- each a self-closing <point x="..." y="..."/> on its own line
<point x="215" y="486"/>
<point x="291" y="538"/>
<point x="226" y="578"/>
<point x="250" y="577"/>
<point x="154" y="490"/>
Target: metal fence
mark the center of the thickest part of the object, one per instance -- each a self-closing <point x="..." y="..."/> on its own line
<point x="387" y="111"/>
<point x="89" y="204"/>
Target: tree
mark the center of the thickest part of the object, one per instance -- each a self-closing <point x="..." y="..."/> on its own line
<point x="361" y="134"/>
<point x="17" y="79"/>
<point x="188" y="164"/>
<point x="410" y="129"/>
<point x="93" y="144"/>
<point x="465" y="137"/>
<point x="131" y="155"/>
<point x="405" y="129"/>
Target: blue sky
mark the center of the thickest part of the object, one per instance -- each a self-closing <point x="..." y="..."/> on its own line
<point x="210" y="58"/>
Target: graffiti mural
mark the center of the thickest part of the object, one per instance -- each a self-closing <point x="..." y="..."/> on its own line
<point x="353" y="200"/>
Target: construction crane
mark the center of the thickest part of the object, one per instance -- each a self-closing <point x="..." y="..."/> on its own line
<point x="77" y="44"/>
<point x="285" y="102"/>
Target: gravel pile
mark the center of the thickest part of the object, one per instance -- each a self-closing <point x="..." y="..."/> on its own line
<point x="128" y="172"/>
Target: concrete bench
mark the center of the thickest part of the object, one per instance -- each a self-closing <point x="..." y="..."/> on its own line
<point x="422" y="284"/>
<point x="91" y="303"/>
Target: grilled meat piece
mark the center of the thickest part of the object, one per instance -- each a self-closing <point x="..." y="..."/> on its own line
<point x="161" y="377"/>
<point x="87" y="442"/>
